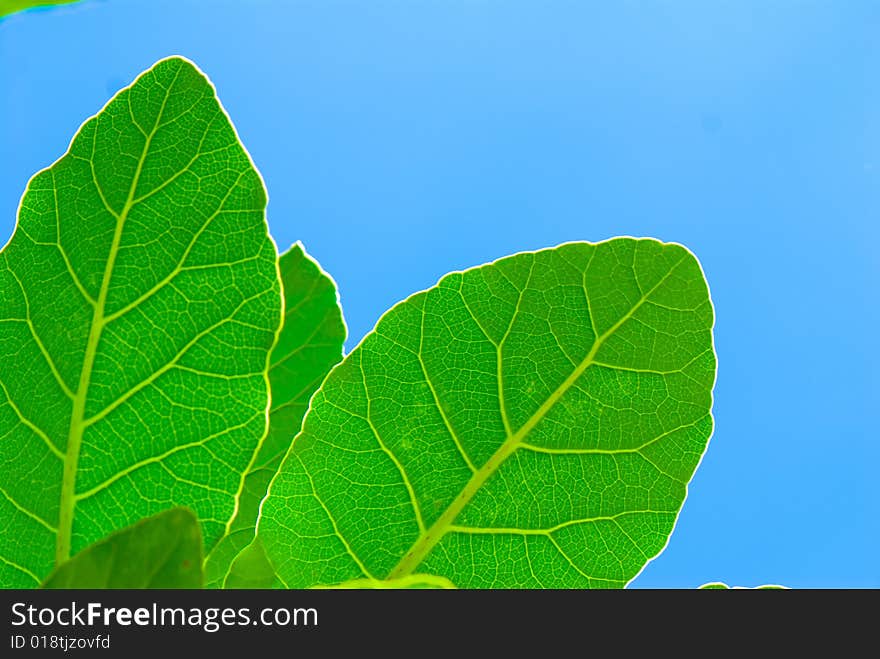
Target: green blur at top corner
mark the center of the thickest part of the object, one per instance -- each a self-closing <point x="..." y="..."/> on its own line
<point x="8" y="7"/>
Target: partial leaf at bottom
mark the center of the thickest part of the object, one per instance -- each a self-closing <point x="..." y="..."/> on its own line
<point x="530" y="423"/>
<point x="162" y="551"/>
<point x="409" y="582"/>
<point x="718" y="585"/>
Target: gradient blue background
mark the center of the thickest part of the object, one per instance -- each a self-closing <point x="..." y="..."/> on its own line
<point x="402" y="140"/>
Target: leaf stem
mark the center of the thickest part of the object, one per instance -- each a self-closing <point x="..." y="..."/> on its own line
<point x="77" y="417"/>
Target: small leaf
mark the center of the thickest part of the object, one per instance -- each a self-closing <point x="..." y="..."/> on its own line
<point x="409" y="582"/>
<point x="163" y="551"/>
<point x="251" y="569"/>
<point x="139" y="302"/>
<point x="309" y="345"/>
<point x="718" y="585"/>
<point x="529" y="423"/>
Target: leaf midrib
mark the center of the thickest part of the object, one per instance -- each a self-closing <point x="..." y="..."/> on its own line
<point x="99" y="321"/>
<point x="428" y="539"/>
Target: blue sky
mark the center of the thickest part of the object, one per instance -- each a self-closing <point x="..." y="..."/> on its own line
<point x="401" y="140"/>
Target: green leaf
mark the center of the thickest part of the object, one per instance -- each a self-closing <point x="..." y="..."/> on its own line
<point x="251" y="569"/>
<point x="718" y="585"/>
<point x="409" y="582"/>
<point x="139" y="301"/>
<point x="309" y="345"/>
<point x="163" y="551"/>
<point x="533" y="422"/>
<point x="8" y="7"/>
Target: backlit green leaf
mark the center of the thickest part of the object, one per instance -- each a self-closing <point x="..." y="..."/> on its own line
<point x="139" y="300"/>
<point x="533" y="422"/>
<point x="309" y="345"/>
<point x="163" y="551"/>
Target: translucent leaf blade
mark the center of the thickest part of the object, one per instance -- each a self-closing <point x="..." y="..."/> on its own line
<point x="139" y="299"/>
<point x="533" y="422"/>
